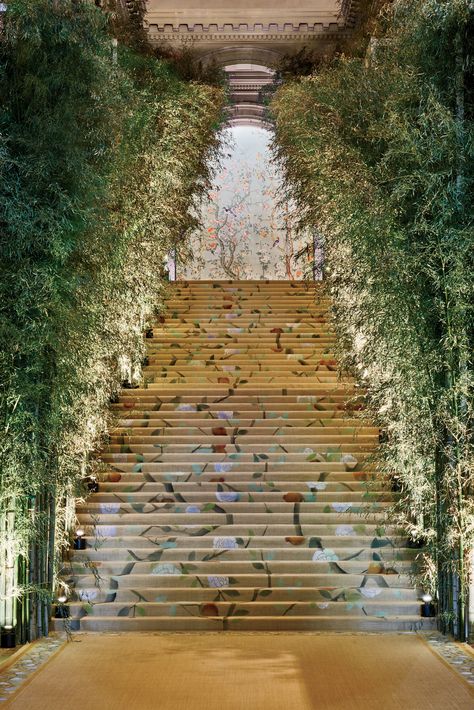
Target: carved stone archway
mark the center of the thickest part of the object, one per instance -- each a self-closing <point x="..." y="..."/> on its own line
<point x="249" y="33"/>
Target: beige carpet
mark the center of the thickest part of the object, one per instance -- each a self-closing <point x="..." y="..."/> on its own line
<point x="244" y="672"/>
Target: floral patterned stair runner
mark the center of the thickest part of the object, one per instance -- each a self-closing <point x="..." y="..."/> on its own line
<point x="237" y="493"/>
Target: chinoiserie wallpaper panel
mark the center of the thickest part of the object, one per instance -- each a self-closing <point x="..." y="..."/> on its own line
<point x="247" y="228"/>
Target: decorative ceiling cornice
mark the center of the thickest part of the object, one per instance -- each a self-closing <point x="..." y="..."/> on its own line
<point x="227" y="22"/>
<point x="242" y="37"/>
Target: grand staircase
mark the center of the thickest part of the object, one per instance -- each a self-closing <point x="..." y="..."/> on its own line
<point x="237" y="492"/>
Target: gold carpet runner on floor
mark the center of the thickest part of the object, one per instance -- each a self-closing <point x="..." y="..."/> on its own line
<point x="237" y="494"/>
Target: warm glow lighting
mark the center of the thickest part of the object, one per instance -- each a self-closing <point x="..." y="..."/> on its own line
<point x="80" y="532"/>
<point x="62" y="599"/>
<point x="427" y="598"/>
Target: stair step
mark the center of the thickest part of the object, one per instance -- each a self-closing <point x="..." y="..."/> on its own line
<point x="346" y="536"/>
<point x="224" y="580"/>
<point x="386" y="553"/>
<point x="275" y="623"/>
<point x="246" y="594"/>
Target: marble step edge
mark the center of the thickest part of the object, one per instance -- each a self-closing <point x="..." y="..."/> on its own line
<point x="228" y="609"/>
<point x="282" y="623"/>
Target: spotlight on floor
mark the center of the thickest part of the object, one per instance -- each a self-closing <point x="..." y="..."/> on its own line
<point x="8" y="637"/>
<point x="62" y="609"/>
<point x="428" y="609"/>
<point x="79" y="540"/>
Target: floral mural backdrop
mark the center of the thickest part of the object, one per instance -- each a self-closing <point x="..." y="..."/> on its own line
<point x="247" y="230"/>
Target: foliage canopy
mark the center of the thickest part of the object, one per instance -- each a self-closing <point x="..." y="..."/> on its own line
<point x="103" y="155"/>
<point x="378" y="156"/>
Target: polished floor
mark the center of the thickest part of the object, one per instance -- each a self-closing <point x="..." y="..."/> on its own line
<point x="242" y="671"/>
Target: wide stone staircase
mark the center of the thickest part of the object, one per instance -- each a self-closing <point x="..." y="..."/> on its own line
<point x="238" y="494"/>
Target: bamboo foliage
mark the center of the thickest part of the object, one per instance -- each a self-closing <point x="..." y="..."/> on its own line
<point x="378" y="156"/>
<point x="102" y="165"/>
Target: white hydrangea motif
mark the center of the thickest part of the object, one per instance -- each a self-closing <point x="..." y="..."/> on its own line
<point x="108" y="508"/>
<point x="308" y="451"/>
<point x="193" y="509"/>
<point x="108" y="531"/>
<point x="222" y="467"/>
<point x="218" y="581"/>
<point x="325" y="556"/>
<point x="87" y="595"/>
<point x="349" y="460"/>
<point x="319" y="485"/>
<point x="341" y="507"/>
<point x="165" y="568"/>
<point x="370" y="592"/>
<point x="345" y="530"/>
<point x="323" y="605"/>
<point x="225" y="543"/>
<point x="225" y="415"/>
<point x="227" y="496"/>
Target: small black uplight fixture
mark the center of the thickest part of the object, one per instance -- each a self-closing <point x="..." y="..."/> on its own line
<point x="79" y="540"/>
<point x="428" y="609"/>
<point x="92" y="484"/>
<point x="8" y="636"/>
<point x="62" y="608"/>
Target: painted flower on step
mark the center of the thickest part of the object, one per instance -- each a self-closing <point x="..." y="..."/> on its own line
<point x="193" y="509"/>
<point x="87" y="595"/>
<point x="349" y="460"/>
<point x="218" y="581"/>
<point x="225" y="543"/>
<point x="308" y="450"/>
<point x="370" y="592"/>
<point x="166" y="568"/>
<point x="341" y="507"/>
<point x="318" y="485"/>
<point x="109" y="508"/>
<point x="323" y="605"/>
<point x="108" y="531"/>
<point x="186" y="408"/>
<point x="345" y="530"/>
<point x="227" y="496"/>
<point x="325" y="556"/>
<point x="222" y="467"/>
<point x="293" y="497"/>
<point x="225" y="415"/>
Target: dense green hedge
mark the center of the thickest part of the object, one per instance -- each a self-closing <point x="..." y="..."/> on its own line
<point x="103" y="155"/>
<point x="378" y="156"/>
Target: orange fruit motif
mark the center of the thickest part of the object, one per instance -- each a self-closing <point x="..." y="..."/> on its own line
<point x="293" y="497"/>
<point x="114" y="477"/>
<point x="375" y="568"/>
<point x="219" y="448"/>
<point x="295" y="540"/>
<point x="219" y="431"/>
<point x="209" y="610"/>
